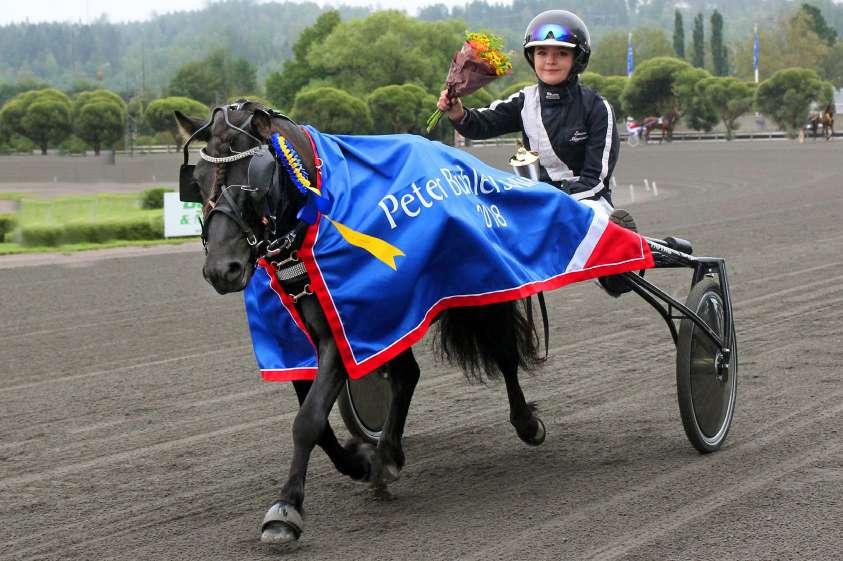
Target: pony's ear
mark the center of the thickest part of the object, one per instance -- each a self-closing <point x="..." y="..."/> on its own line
<point x="262" y="123"/>
<point x="189" y="125"/>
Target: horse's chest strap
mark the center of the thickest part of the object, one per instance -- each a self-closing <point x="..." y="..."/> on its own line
<point x="292" y="275"/>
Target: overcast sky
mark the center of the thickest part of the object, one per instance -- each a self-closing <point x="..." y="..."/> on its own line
<point x="14" y="11"/>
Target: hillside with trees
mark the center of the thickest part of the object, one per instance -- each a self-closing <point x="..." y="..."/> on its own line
<point x="381" y="72"/>
<point x="144" y="57"/>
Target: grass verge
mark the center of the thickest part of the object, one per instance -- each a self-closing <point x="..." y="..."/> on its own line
<point x="15" y="249"/>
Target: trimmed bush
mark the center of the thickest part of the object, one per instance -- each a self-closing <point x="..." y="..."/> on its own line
<point x="41" y="234"/>
<point x="7" y="224"/>
<point x="146" y="226"/>
<point x="153" y="198"/>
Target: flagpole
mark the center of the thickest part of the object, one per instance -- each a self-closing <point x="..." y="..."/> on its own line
<point x="755" y="53"/>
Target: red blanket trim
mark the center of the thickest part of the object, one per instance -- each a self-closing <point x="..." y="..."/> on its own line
<point x="615" y="236"/>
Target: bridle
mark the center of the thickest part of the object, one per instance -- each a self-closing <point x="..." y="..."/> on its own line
<point x="262" y="175"/>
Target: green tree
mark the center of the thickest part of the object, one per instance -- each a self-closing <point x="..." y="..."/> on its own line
<point x="46" y="122"/>
<point x="99" y="118"/>
<point x="159" y="114"/>
<point x="517" y="87"/>
<point x="134" y="115"/>
<point x="385" y="48"/>
<point x="678" y="34"/>
<point x="397" y="109"/>
<point x="831" y="67"/>
<point x="698" y="42"/>
<point x="667" y="87"/>
<point x="790" y="43"/>
<point x="42" y="116"/>
<point x="282" y="87"/>
<point x="610" y="87"/>
<point x="691" y="99"/>
<point x="332" y="110"/>
<point x="100" y="124"/>
<point x="592" y="80"/>
<point x="480" y="98"/>
<point x="612" y="90"/>
<point x="609" y="56"/>
<point x="650" y="90"/>
<point x="214" y="79"/>
<point x="787" y="95"/>
<point x="818" y="24"/>
<point x="730" y="98"/>
<point x="719" y="55"/>
<point x="10" y="90"/>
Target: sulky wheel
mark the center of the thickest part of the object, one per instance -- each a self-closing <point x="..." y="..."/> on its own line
<point x="706" y="387"/>
<point x="364" y="404"/>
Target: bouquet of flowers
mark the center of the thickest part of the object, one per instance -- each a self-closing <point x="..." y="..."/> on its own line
<point x="480" y="61"/>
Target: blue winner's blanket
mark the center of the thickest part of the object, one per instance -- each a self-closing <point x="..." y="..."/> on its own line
<point x="416" y="227"/>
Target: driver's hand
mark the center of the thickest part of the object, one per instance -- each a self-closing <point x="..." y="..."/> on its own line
<point x="452" y="107"/>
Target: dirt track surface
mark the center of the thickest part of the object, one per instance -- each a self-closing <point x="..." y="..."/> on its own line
<point x="133" y="425"/>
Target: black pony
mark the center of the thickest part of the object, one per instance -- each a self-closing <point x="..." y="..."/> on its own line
<point x="250" y="212"/>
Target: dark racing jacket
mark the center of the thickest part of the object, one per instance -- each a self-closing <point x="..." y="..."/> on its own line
<point x="570" y="126"/>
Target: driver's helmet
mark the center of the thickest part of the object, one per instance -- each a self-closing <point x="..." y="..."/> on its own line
<point x="559" y="28"/>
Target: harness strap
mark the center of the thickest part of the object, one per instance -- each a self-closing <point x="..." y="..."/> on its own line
<point x="291" y="273"/>
<point x="228" y="210"/>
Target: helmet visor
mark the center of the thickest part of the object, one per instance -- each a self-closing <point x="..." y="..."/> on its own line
<point x="551" y="34"/>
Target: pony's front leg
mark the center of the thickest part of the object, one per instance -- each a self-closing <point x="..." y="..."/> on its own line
<point x="283" y="522"/>
<point x="354" y="459"/>
<point x="389" y="458"/>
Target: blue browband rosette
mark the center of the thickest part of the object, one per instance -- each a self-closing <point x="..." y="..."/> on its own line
<point x="289" y="158"/>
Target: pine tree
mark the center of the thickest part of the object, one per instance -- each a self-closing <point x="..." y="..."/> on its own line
<point x="698" y="40"/>
<point x="719" y="58"/>
<point x="678" y="35"/>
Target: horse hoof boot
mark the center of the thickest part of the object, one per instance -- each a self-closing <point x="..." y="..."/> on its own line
<point x="282" y="524"/>
<point x="538" y="438"/>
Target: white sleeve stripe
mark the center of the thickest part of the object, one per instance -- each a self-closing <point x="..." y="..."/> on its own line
<point x="499" y="101"/>
<point x="604" y="171"/>
<point x="590" y="193"/>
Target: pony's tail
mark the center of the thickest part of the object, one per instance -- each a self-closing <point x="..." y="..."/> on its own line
<point x="479" y="339"/>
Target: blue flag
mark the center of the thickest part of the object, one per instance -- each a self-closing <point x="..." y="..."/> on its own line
<point x="755" y="51"/>
<point x="413" y="228"/>
<point x="630" y="62"/>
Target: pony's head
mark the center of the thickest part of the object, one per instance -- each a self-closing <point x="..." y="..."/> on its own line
<point x="249" y="202"/>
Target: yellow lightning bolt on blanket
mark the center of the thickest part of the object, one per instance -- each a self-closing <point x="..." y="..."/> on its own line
<point x="383" y="251"/>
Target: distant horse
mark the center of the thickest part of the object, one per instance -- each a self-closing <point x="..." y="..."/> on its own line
<point x="237" y="188"/>
<point x="665" y="124"/>
<point x="828" y="121"/>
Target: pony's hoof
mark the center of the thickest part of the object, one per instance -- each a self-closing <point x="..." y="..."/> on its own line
<point x="386" y="473"/>
<point x="282" y="524"/>
<point x="538" y="438"/>
<point x="362" y="455"/>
